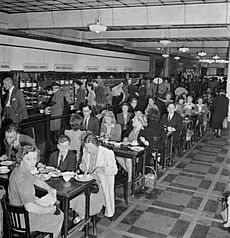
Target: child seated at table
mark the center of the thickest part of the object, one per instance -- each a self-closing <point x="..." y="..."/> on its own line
<point x="63" y="159"/>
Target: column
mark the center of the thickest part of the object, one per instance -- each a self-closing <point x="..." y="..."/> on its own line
<point x="166" y="64"/>
<point x="228" y="85"/>
<point x="152" y="66"/>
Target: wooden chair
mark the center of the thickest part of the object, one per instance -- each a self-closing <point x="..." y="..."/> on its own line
<point x="17" y="219"/>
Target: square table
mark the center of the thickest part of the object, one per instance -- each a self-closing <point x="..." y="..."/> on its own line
<point x="65" y="192"/>
<point x="128" y="153"/>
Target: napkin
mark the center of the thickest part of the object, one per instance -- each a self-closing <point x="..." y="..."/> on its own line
<point x="46" y="200"/>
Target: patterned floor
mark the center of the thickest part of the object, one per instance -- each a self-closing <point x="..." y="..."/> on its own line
<point x="184" y="203"/>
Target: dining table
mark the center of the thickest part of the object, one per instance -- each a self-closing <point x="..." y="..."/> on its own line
<point x="65" y="192"/>
<point x="138" y="161"/>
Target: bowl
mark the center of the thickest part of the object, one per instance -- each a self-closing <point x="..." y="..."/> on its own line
<point x="67" y="175"/>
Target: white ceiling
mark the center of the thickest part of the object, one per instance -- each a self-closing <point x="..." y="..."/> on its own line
<point x="132" y="24"/>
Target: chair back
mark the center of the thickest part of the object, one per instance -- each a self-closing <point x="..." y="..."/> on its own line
<point x="17" y="219"/>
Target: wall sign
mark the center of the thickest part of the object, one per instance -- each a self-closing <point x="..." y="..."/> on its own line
<point x="92" y="68"/>
<point x="4" y="66"/>
<point x="35" y="67"/>
<point x="128" y="68"/>
<point x="111" y="69"/>
<point x="63" y="67"/>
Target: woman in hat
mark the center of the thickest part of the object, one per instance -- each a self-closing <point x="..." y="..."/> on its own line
<point x="220" y="112"/>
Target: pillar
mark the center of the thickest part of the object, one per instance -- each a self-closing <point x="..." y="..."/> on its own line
<point x="166" y="64"/>
<point x="228" y="85"/>
<point x="152" y="62"/>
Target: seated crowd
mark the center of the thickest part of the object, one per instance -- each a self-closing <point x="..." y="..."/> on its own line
<point x="79" y="149"/>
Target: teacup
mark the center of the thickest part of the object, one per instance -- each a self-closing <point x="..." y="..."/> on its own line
<point x="3" y="169"/>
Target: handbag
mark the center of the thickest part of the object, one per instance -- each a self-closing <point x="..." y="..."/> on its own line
<point x="94" y="188"/>
<point x="150" y="177"/>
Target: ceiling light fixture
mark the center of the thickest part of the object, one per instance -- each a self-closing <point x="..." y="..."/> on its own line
<point x="202" y="53"/>
<point x="216" y="57"/>
<point x="176" y="57"/>
<point x="184" y="49"/>
<point x="97" y="27"/>
<point x="165" y="55"/>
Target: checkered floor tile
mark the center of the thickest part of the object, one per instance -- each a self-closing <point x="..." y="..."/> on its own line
<point x="184" y="203"/>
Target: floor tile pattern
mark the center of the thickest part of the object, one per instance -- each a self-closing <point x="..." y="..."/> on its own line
<point x="184" y="202"/>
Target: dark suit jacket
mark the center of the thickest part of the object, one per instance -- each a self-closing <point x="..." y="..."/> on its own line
<point x="94" y="125"/>
<point x="69" y="163"/>
<point x="18" y="106"/>
<point x="161" y="106"/>
<point x="176" y="122"/>
<point x="121" y="120"/>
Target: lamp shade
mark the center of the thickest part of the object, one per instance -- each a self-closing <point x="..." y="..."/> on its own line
<point x="97" y="27"/>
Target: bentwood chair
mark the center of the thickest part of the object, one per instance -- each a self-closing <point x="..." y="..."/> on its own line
<point x="17" y="219"/>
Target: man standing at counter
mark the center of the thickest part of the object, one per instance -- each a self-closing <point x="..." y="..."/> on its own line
<point x="56" y="110"/>
<point x="15" y="106"/>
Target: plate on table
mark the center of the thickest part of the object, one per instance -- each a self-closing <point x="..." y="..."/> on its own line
<point x="7" y="162"/>
<point x="43" y="177"/>
<point x="55" y="173"/>
<point x="5" y="171"/>
<point x="82" y="178"/>
<point x="136" y="148"/>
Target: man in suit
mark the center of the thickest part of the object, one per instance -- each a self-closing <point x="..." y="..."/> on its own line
<point x="172" y="121"/>
<point x="63" y="159"/>
<point x="90" y="123"/>
<point x="15" y="106"/>
<point x="14" y="140"/>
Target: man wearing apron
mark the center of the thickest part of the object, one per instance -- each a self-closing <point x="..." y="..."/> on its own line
<point x="15" y="107"/>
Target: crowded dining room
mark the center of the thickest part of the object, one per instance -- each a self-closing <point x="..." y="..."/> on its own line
<point x="114" y="118"/>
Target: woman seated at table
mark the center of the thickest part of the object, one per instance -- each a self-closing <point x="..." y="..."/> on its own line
<point x="138" y="123"/>
<point x="76" y="134"/>
<point x="22" y="192"/>
<point x="189" y="106"/>
<point x="180" y="107"/>
<point x="109" y="128"/>
<point x="153" y="130"/>
<point x="201" y="110"/>
<point x="99" y="162"/>
<point x="133" y="105"/>
<point x="151" y="104"/>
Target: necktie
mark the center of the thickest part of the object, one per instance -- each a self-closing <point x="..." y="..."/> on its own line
<point x="61" y="161"/>
<point x="85" y="124"/>
<point x="169" y="117"/>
